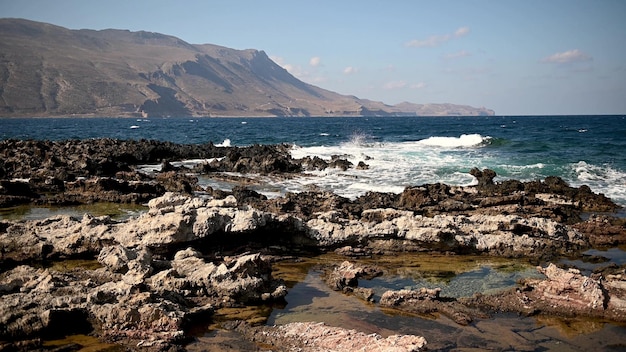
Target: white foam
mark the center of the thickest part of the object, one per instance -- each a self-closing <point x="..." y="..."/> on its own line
<point x="602" y="179"/>
<point x="225" y="143"/>
<point x="465" y="140"/>
<point x="392" y="166"/>
<point x="189" y="164"/>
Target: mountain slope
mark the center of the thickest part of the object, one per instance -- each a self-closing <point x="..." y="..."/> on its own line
<point x="46" y="70"/>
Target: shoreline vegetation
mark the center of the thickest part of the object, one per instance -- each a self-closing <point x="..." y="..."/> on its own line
<point x="144" y="282"/>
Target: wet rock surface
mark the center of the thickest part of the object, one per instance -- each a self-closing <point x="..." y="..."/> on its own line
<point x="196" y="250"/>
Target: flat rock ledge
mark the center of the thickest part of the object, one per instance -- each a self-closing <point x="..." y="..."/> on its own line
<point x="174" y="220"/>
<point x="319" y="337"/>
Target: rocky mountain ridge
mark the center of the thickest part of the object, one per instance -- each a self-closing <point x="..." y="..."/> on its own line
<point x="47" y="70"/>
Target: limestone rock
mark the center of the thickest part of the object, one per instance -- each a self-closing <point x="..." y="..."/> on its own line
<point x="316" y="337"/>
<point x="507" y="235"/>
<point x="570" y="287"/>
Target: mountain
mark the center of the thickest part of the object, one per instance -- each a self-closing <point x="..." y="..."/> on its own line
<point x="46" y="70"/>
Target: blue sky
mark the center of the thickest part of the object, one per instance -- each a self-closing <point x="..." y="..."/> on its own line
<point x="524" y="57"/>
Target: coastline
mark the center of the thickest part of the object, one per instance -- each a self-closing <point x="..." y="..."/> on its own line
<point x="163" y="266"/>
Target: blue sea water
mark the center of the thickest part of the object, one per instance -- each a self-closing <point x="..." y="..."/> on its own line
<point x="400" y="151"/>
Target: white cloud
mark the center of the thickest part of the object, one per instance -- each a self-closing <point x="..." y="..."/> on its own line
<point x="299" y="71"/>
<point x="566" y="57"/>
<point x="437" y="40"/>
<point x="457" y="55"/>
<point x="461" y="32"/>
<point x="292" y="69"/>
<point x="394" y="85"/>
<point x="419" y="85"/>
<point x="350" y="70"/>
<point x="278" y="60"/>
<point x="315" y="61"/>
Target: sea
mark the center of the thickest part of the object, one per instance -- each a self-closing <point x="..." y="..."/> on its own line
<point x="399" y="151"/>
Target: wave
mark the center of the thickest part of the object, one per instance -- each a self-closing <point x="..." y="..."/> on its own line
<point x="359" y="139"/>
<point x="395" y="165"/>
<point x="465" y="140"/>
<point x="603" y="179"/>
<point x="225" y="143"/>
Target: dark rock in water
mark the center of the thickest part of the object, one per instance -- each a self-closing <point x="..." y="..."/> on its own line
<point x="247" y="196"/>
<point x="313" y="163"/>
<point x="341" y="164"/>
<point x="347" y="275"/>
<point x="427" y="301"/>
<point x="263" y="159"/>
<point x="173" y="181"/>
<point x="485" y="177"/>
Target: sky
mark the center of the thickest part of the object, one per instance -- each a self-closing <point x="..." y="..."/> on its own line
<point x="522" y="57"/>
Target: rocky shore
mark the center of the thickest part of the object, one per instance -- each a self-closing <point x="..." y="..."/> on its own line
<point x="143" y="282"/>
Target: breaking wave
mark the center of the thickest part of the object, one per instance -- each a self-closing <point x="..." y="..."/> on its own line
<point x="465" y="140"/>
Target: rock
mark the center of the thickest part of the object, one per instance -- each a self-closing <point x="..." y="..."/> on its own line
<point x="569" y="287"/>
<point x="313" y="163"/>
<point x="506" y="235"/>
<point x="427" y="301"/>
<point x="242" y="279"/>
<point x="339" y="163"/>
<point x="129" y="303"/>
<point x="116" y="258"/>
<point x="348" y="274"/>
<point x="484" y="178"/>
<point x="603" y="231"/>
<point x="55" y="237"/>
<point x="313" y="337"/>
<point x="174" y="218"/>
<point x="362" y="166"/>
<point x="34" y="301"/>
<point x="563" y="292"/>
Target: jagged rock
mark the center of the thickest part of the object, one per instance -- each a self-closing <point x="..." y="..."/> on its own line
<point x="568" y="287"/>
<point x="242" y="279"/>
<point x="55" y="237"/>
<point x="125" y="300"/>
<point x="313" y="163"/>
<point x="347" y="275"/>
<point x="603" y="230"/>
<point x="173" y="219"/>
<point x="340" y="163"/>
<point x="563" y="293"/>
<point x="484" y="177"/>
<point x="507" y="235"/>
